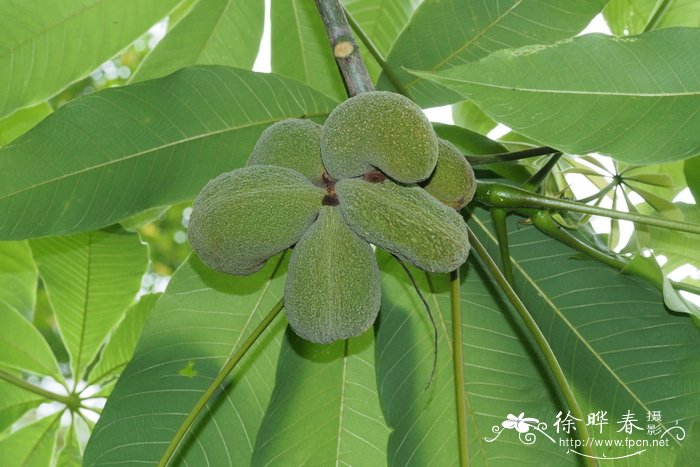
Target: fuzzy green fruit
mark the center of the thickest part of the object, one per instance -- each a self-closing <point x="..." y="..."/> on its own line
<point x="379" y="130"/>
<point x="453" y="180"/>
<point x="333" y="286"/>
<point x="292" y="143"/>
<point x="406" y="221"/>
<point x="243" y="217"/>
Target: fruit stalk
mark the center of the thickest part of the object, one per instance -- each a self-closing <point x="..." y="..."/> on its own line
<point x="345" y="48"/>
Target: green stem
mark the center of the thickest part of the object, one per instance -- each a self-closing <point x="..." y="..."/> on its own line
<point x="510" y="156"/>
<point x="27" y="386"/>
<point x="458" y="364"/>
<point x="344" y="46"/>
<point x="543" y="221"/>
<point x="227" y="368"/>
<point x="498" y="216"/>
<point x="657" y="15"/>
<point x="541" y="341"/>
<point x="376" y="54"/>
<point x="506" y="196"/>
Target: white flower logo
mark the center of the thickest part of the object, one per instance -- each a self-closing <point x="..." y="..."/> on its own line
<point x="521" y="424"/>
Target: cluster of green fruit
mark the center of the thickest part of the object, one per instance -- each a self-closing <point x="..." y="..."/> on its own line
<point x="375" y="172"/>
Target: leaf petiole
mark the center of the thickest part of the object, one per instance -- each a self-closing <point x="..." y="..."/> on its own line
<point x="506" y="196"/>
<point x="220" y="377"/>
<point x="541" y="341"/>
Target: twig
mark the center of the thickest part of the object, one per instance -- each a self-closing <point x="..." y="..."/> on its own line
<point x="345" y="49"/>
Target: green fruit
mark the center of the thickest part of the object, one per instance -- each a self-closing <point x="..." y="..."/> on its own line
<point x="379" y="130"/>
<point x="406" y="221"/>
<point x="453" y="180"/>
<point x="243" y="217"/>
<point x="333" y="286"/>
<point x="292" y="143"/>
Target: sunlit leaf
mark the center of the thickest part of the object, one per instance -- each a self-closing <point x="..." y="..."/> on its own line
<point x="14" y="402"/>
<point x="18" y="278"/>
<point x="118" y="351"/>
<point x="466" y="114"/>
<point x="446" y="33"/>
<point x="635" y="116"/>
<point x="300" y="48"/>
<point x="214" y="32"/>
<point x="23" y="347"/>
<point x="31" y="445"/>
<point x="15" y="125"/>
<point x="90" y="279"/>
<point x="150" y="144"/>
<point x="47" y="45"/>
<point x="69" y="455"/>
<point x="382" y="20"/>
<point x="633" y="16"/>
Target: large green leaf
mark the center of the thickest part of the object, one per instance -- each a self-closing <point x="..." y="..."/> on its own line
<point x="446" y="33"/>
<point x="14" y="402"/>
<point x="90" y="280"/>
<point x="635" y="99"/>
<point x="32" y="445"/>
<point x="15" y="125"/>
<point x="48" y="44"/>
<point x="627" y="17"/>
<point x="23" y="347"/>
<point x="381" y="20"/>
<point x="502" y="373"/>
<point x="106" y="156"/>
<point x="118" y="351"/>
<point x="620" y="348"/>
<point x="214" y="32"/>
<point x="18" y="277"/>
<point x="328" y="394"/>
<point x="469" y="116"/>
<point x="300" y="48"/>
<point x="199" y="320"/>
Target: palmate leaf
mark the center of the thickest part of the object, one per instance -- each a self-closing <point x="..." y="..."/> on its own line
<point x="215" y="32"/>
<point x="635" y="99"/>
<point x="326" y="394"/>
<point x="23" y="346"/>
<point x="446" y="33"/>
<point x="106" y="156"/>
<point x="46" y="45"/>
<point x="90" y="280"/>
<point x="195" y="325"/>
<point x="14" y="402"/>
<point x="118" y="351"/>
<point x="18" y="278"/>
<point x="31" y="445"/>
<point x="633" y="16"/>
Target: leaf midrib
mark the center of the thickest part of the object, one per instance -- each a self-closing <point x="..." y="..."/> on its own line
<point x="478" y="36"/>
<point x="148" y="151"/>
<point x="567" y="92"/>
